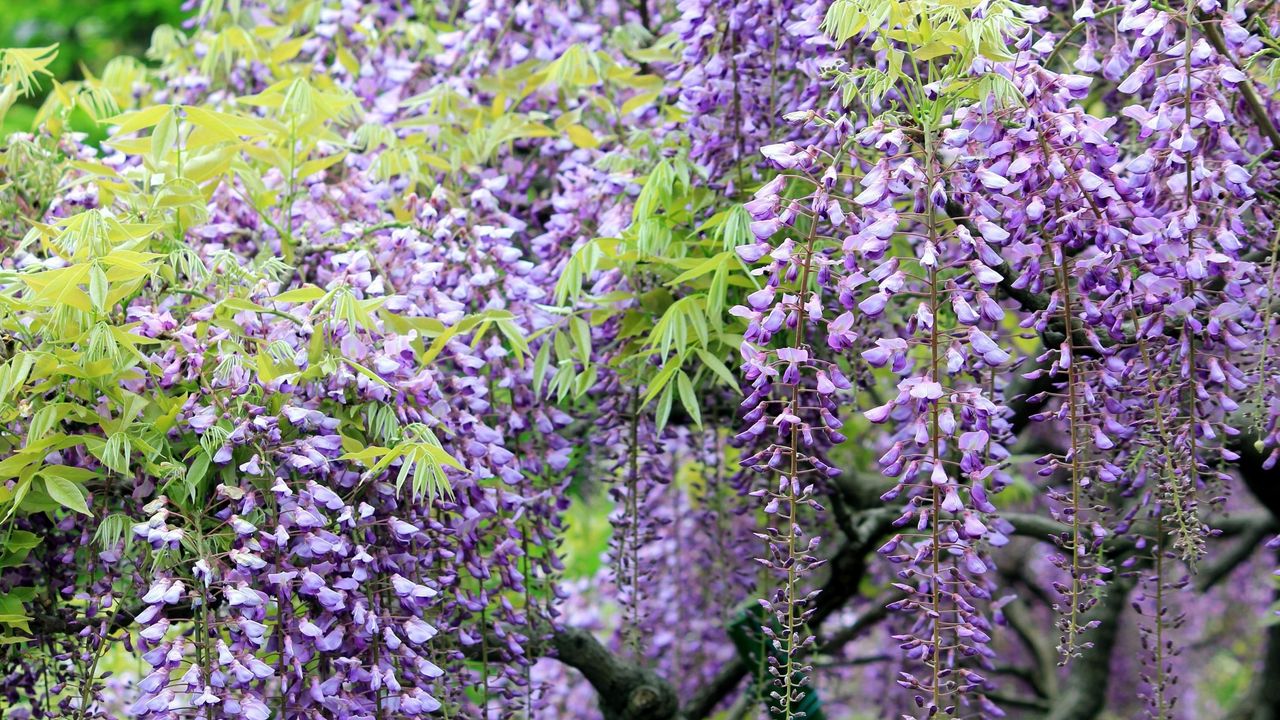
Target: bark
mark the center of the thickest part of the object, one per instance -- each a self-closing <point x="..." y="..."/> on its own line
<point x="626" y="691"/>
<point x="1084" y="694"/>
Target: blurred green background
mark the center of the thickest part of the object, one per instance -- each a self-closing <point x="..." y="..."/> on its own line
<point x="88" y="34"/>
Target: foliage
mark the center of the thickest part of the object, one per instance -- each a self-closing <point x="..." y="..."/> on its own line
<point x="94" y="38"/>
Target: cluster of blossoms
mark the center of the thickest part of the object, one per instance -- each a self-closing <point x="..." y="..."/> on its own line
<point x="342" y="594"/>
<point x="1040" y="209"/>
<point x="947" y="446"/>
<point x="793" y="398"/>
<point x="306" y="585"/>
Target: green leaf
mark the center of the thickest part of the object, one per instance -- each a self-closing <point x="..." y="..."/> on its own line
<point x="69" y="472"/>
<point x="17" y="547"/>
<point x="21" y="540"/>
<point x="581" y="337"/>
<point x="582" y="137"/>
<point x="717" y="294"/>
<point x="421" y="456"/>
<point x="687" y="398"/>
<point x="515" y="337"/>
<point x="664" y="407"/>
<point x="66" y="493"/>
<point x="196" y="472"/>
<point x="663" y="377"/>
<point x="139" y="119"/>
<point x="306" y="293"/>
<point x="713" y="363"/>
<point x="367" y="455"/>
<point x="702" y="268"/>
<point x="367" y="373"/>
<point x="585" y="381"/>
<point x="240" y="305"/>
<point x="736" y="228"/>
<point x="21" y="67"/>
<point x="577" y="67"/>
<point x="116" y="451"/>
<point x="98" y="287"/>
<point x="61" y="287"/>
<point x="12" y="613"/>
<point x="44" y="421"/>
<point x="311" y="167"/>
<point x="562" y="381"/>
<point x="112" y="530"/>
<point x="540" y="366"/>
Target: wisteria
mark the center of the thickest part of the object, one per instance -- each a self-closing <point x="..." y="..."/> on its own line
<point x="645" y="359"/>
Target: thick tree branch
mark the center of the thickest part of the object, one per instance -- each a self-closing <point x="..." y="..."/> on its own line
<point x="1251" y="538"/>
<point x="1256" y="106"/>
<point x="847" y="569"/>
<point x="1260" y="481"/>
<point x="1263" y="700"/>
<point x="1028" y="300"/>
<point x="1043" y="678"/>
<point x="626" y="691"/>
<point x="878" y="611"/>
<point x="1085" y="692"/>
<point x="721" y="687"/>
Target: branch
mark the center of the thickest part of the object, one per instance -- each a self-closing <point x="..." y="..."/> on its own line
<point x="1236" y="524"/>
<point x="1085" y="692"/>
<point x="1028" y="300"/>
<point x="1260" y="481"/>
<point x="1251" y="538"/>
<point x="1020" y="391"/>
<point x="1038" y="526"/>
<point x="626" y="691"/>
<point x="1257" y="108"/>
<point x="1263" y="699"/>
<point x="723" y="685"/>
<point x="847" y="570"/>
<point x="1082" y="698"/>
<point x="1043" y="679"/>
<point x="878" y="611"/>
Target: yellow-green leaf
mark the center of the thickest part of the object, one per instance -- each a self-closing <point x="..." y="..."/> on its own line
<point x="131" y="122"/>
<point x="307" y="293"/>
<point x="638" y="101"/>
<point x="582" y="137"/>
